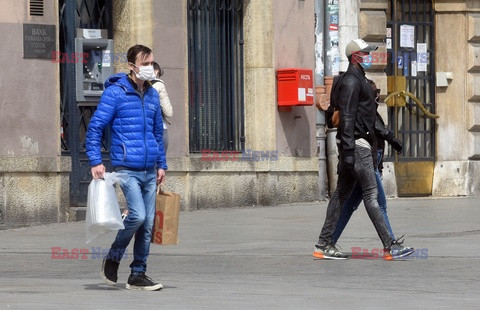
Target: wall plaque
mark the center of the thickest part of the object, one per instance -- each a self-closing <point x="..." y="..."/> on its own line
<point x="39" y="41"/>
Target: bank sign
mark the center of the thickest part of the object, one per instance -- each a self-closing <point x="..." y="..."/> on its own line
<point x="38" y="41"/>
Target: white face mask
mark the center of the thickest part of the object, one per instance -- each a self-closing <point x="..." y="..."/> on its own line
<point x="145" y="73"/>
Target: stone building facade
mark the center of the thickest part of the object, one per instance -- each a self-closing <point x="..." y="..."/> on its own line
<point x="455" y="166"/>
<point x="36" y="177"/>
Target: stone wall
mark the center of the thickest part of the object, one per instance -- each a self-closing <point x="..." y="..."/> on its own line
<point x="206" y="184"/>
<point x="457" y="38"/>
<point x="34" y="191"/>
<point x="34" y="178"/>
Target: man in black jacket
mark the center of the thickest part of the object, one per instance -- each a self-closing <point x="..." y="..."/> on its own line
<point x="356" y="143"/>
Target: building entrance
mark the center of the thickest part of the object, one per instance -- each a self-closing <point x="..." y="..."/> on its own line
<point x="411" y="88"/>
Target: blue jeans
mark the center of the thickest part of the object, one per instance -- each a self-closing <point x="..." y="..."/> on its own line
<point x="139" y="191"/>
<point x="363" y="173"/>
<point x="354" y="201"/>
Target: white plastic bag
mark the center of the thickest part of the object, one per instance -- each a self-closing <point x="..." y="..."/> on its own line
<point x="103" y="211"/>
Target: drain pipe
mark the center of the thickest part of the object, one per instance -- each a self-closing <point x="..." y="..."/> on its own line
<point x="320" y="97"/>
<point x="332" y="68"/>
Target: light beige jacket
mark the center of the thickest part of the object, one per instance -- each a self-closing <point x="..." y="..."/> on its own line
<point x="165" y="104"/>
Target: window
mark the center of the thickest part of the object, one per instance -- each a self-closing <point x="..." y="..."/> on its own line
<point x="215" y="56"/>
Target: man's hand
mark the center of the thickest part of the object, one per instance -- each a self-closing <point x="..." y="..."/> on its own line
<point x="160" y="176"/>
<point x="98" y="171"/>
<point x="395" y="143"/>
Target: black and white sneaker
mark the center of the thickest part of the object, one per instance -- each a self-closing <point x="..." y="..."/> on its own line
<point x="140" y="282"/>
<point x="109" y="271"/>
<point x="328" y="252"/>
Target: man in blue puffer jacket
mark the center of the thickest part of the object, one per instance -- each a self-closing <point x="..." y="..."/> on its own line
<point x="130" y="105"/>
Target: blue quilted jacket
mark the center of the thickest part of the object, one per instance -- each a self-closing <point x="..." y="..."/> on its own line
<point x="136" y="126"/>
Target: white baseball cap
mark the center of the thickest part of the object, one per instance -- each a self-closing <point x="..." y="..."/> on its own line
<point x="359" y="45"/>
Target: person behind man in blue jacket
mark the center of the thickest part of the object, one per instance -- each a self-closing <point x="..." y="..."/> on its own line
<point x="130" y="106"/>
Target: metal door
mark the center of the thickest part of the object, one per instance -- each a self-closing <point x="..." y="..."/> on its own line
<point x="410" y="70"/>
<point x="74" y="116"/>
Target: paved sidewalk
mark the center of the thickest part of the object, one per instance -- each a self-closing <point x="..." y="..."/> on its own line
<point x="259" y="258"/>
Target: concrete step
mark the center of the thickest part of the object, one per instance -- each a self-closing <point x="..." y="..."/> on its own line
<point x="77" y="214"/>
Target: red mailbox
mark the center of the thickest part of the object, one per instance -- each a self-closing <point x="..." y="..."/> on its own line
<point x="294" y="88"/>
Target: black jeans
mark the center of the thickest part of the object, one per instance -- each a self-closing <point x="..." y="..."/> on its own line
<point x="364" y="173"/>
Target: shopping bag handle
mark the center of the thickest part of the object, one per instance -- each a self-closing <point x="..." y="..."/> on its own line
<point x="160" y="190"/>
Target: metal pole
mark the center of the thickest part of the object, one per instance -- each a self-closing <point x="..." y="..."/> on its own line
<point x="395" y="30"/>
<point x="332" y="51"/>
<point x="73" y="134"/>
<point x="320" y="125"/>
<point x="332" y="67"/>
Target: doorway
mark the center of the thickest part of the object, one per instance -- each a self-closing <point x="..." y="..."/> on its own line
<point x="410" y="69"/>
<point x="75" y="116"/>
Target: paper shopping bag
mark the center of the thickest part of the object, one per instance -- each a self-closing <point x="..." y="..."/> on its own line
<point x="167" y="211"/>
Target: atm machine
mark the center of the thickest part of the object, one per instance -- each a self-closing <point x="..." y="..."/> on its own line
<point x="95" y="65"/>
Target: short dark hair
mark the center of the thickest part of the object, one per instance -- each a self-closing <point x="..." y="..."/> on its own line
<point x="156" y="66"/>
<point x="138" y="49"/>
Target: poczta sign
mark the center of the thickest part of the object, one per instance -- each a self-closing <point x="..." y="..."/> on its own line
<point x="38" y="41"/>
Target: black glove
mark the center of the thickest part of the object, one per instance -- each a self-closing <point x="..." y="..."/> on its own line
<point x="394" y="142"/>
<point x="349" y="162"/>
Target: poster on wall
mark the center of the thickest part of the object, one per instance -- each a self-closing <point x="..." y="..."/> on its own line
<point x="335" y="62"/>
<point x="332" y="6"/>
<point x="407" y="36"/>
<point x="414" y="68"/>
<point x="334" y="19"/>
<point x="406" y="64"/>
<point x="422" y="57"/>
<point x="389" y="43"/>
<point x="333" y="38"/>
